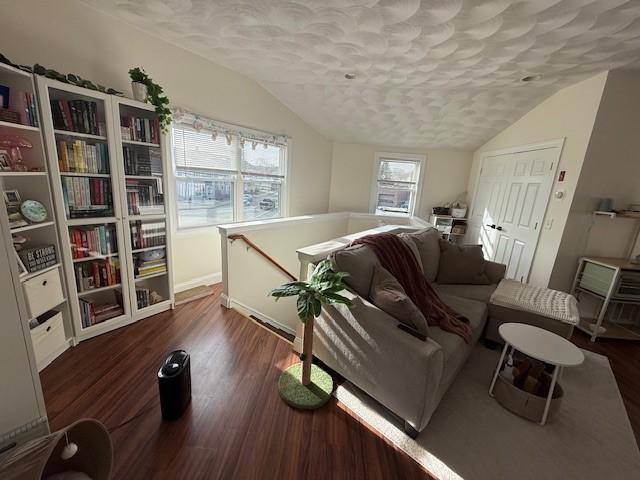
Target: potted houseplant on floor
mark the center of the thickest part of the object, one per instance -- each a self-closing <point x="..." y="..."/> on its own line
<point x="304" y="385"/>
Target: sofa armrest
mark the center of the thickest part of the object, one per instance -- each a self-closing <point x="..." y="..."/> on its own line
<point x="363" y="344"/>
<point x="495" y="271"/>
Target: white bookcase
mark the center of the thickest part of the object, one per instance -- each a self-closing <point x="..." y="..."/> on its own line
<point x="91" y="199"/>
<point x="40" y="291"/>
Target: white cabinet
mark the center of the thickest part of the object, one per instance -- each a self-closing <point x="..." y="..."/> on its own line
<point x="43" y="292"/>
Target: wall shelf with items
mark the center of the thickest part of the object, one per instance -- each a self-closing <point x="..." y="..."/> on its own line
<point x="107" y="161"/>
<point x="28" y="218"/>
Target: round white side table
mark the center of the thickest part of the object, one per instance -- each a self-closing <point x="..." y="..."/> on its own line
<point x="541" y="345"/>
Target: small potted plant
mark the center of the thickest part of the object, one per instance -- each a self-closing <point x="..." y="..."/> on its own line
<point x="304" y="385"/>
<point x="146" y="90"/>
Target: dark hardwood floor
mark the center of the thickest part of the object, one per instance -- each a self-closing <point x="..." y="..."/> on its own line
<point x="236" y="427"/>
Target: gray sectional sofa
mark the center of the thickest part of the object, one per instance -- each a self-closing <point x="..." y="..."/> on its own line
<point x="406" y="374"/>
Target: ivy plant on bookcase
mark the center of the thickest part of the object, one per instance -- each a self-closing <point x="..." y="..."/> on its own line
<point x="28" y="221"/>
<point x="98" y="202"/>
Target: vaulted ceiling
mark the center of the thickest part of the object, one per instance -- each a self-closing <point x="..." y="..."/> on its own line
<point x="438" y="73"/>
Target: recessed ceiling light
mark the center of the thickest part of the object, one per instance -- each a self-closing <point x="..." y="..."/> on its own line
<point x="349" y="76"/>
<point x="531" y="78"/>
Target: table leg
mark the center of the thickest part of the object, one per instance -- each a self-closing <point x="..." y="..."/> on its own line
<point x="498" y="367"/>
<point x="554" y="379"/>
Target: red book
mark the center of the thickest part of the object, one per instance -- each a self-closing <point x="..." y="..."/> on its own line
<point x="96" y="274"/>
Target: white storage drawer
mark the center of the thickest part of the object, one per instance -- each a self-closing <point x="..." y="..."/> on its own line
<point x="43" y="292"/>
<point x="48" y="340"/>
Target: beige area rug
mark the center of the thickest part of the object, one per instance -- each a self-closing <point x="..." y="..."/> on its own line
<point x="471" y="436"/>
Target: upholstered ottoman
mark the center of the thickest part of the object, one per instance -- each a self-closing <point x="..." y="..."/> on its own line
<point x="538" y="306"/>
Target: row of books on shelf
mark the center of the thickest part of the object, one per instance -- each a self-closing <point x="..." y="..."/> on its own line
<point x="147" y="161"/>
<point x="18" y="107"/>
<point x="144" y="198"/>
<point x="87" y="197"/>
<point x="81" y="157"/>
<point x="140" y="129"/>
<point x="97" y="274"/>
<point x="146" y="268"/>
<point x="93" y="241"/>
<point x="146" y="234"/>
<point x="146" y="297"/>
<point x="76" y="116"/>
<point x="92" y="313"/>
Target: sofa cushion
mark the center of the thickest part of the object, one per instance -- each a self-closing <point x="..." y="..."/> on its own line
<point x="358" y="261"/>
<point x="388" y="295"/>
<point x="427" y="243"/>
<point x="461" y="264"/>
<point x="454" y="348"/>
<point x="481" y="293"/>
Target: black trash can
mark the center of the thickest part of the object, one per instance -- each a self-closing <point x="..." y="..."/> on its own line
<point x="174" y="384"/>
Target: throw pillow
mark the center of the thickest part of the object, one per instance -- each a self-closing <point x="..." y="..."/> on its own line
<point x="406" y="238"/>
<point x="388" y="295"/>
<point x="427" y="243"/>
<point x="358" y="261"/>
<point x="462" y="264"/>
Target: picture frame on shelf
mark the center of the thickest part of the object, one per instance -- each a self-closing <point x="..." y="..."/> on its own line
<point x="5" y="160"/>
<point x="12" y="197"/>
<point x="22" y="270"/>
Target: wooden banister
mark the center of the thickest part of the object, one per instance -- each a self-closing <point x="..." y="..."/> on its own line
<point x="264" y="254"/>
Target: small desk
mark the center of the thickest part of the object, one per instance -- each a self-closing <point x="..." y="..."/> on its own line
<point x="613" y="281"/>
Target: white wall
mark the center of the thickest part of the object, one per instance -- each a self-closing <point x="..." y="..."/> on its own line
<point x="445" y="178"/>
<point x="611" y="170"/>
<point x="69" y="36"/>
<point x="569" y="113"/>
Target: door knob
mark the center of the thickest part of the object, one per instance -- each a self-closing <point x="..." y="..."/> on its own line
<point x="498" y="228"/>
<point x="492" y="226"/>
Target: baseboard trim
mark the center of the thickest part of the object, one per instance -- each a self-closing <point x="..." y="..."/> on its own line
<point x="198" y="282"/>
<point x="297" y="345"/>
<point x="248" y="311"/>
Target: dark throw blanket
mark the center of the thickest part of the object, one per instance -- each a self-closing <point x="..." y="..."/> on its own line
<point x="397" y="258"/>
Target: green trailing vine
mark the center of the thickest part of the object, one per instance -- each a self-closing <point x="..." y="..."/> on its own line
<point x="154" y="96"/>
<point x="70" y="78"/>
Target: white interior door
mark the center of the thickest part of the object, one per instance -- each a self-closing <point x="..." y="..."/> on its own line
<point x="487" y="204"/>
<point x="521" y="183"/>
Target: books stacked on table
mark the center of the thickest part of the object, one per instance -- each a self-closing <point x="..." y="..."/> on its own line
<point x="76" y="116"/>
<point x="144" y="197"/>
<point x="93" y="241"/>
<point x="146" y="268"/>
<point x="92" y="313"/>
<point x="87" y="197"/>
<point x="147" y="234"/>
<point x="140" y="129"/>
<point x="97" y="274"/>
<point x="143" y="162"/>
<point x="81" y="157"/>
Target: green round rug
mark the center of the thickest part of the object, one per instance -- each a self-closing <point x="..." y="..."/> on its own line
<point x="308" y="397"/>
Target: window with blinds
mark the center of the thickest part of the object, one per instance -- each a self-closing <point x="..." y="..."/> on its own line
<point x="225" y="178"/>
<point x="395" y="190"/>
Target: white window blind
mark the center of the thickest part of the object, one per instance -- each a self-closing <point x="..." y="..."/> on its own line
<point x="395" y="190"/>
<point x="223" y="176"/>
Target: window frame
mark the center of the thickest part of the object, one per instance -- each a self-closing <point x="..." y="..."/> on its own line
<point x="418" y="159"/>
<point x="237" y="180"/>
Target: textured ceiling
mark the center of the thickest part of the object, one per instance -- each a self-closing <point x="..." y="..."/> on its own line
<point x="442" y="73"/>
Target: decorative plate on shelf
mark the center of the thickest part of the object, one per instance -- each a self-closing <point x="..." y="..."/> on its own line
<point x="33" y="211"/>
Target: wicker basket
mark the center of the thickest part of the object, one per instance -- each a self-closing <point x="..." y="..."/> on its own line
<point x="524" y="403"/>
